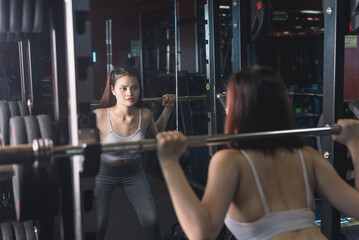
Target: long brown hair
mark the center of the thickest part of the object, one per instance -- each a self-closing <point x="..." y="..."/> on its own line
<point x="108" y="99"/>
<point x="257" y="100"/>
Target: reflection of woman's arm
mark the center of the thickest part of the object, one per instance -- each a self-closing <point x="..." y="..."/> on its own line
<point x="198" y="219"/>
<point x="162" y="121"/>
<point x="349" y="136"/>
<point x="168" y="102"/>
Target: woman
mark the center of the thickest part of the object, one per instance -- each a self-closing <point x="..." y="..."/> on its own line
<point x="260" y="189"/>
<point x="122" y="119"/>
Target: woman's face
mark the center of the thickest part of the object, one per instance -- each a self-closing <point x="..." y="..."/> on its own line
<point x="126" y="91"/>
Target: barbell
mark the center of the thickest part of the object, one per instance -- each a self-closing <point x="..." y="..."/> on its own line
<point x="41" y="150"/>
<point x="160" y="99"/>
<point x="180" y="98"/>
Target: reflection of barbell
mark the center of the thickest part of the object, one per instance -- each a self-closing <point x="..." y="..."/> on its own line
<point x="159" y="99"/>
<point x="180" y="98"/>
<point x="41" y="150"/>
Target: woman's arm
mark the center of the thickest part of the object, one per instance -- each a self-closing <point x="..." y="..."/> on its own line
<point x="101" y="122"/>
<point x="349" y="136"/>
<point x="167" y="103"/>
<point x="329" y="184"/>
<point x="198" y="219"/>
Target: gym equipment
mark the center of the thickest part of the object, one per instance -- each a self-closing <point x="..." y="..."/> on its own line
<point x="4" y="16"/>
<point x="40" y="150"/>
<point x="222" y="99"/>
<point x="51" y="193"/>
<point x="14" y="108"/>
<point x="261" y="18"/>
<point x="19" y="230"/>
<point x="34" y="184"/>
<point x="39" y="16"/>
<point x="7" y="232"/>
<point x="27" y="176"/>
<point x="15" y="15"/>
<point x="180" y="98"/>
<point x="27" y="16"/>
<point x="29" y="230"/>
<point x="4" y="122"/>
<point x="23" y="108"/>
<point x="159" y="99"/>
<point x="33" y="132"/>
<point x="22" y="181"/>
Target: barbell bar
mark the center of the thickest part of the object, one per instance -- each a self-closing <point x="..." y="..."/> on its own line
<point x="40" y="150"/>
<point x="160" y="99"/>
<point x="180" y="98"/>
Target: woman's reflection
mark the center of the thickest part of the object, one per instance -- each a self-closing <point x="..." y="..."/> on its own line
<point x="122" y="118"/>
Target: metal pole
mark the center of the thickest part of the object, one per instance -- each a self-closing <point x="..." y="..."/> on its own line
<point x="31" y="92"/>
<point x="22" y="69"/>
<point x="54" y="68"/>
<point x="141" y="57"/>
<point x="72" y="105"/>
<point x="28" y="153"/>
<point x="176" y="60"/>
<point x="213" y="66"/>
<point x="107" y="50"/>
<point x="333" y="85"/>
<point x="240" y="34"/>
<point x="110" y="42"/>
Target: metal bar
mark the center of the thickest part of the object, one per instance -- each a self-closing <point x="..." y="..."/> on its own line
<point x="141" y="55"/>
<point x="196" y="37"/>
<point x="73" y="124"/>
<point x="213" y="66"/>
<point x="333" y="84"/>
<point x="176" y="60"/>
<point x="26" y="154"/>
<point x="22" y="70"/>
<point x="31" y="92"/>
<point x="107" y="50"/>
<point x="110" y="42"/>
<point x="54" y="67"/>
<point x="179" y="98"/>
<point x="306" y="94"/>
<point x="160" y="99"/>
<point x="240" y="34"/>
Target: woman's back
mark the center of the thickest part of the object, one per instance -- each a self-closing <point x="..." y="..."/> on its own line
<point x="286" y="204"/>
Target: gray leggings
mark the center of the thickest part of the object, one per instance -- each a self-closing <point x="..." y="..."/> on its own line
<point x="133" y="181"/>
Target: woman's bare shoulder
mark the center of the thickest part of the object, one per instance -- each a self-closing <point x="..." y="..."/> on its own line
<point x="101" y="115"/>
<point x="100" y="111"/>
<point x="310" y="153"/>
<point x="227" y="156"/>
<point x="146" y="114"/>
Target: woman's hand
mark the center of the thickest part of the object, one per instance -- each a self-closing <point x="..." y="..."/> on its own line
<point x="170" y="146"/>
<point x="168" y="100"/>
<point x="349" y="134"/>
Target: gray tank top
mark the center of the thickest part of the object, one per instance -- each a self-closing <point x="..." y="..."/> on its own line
<point x="113" y="137"/>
